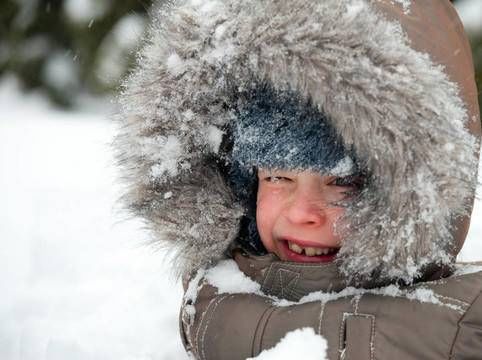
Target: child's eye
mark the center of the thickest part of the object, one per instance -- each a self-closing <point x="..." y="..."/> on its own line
<point x="347" y="181"/>
<point x="341" y="181"/>
<point x="276" y="179"/>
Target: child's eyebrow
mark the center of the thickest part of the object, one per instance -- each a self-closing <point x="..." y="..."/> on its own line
<point x="278" y="171"/>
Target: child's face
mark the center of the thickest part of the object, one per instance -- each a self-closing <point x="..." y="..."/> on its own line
<point x="296" y="215"/>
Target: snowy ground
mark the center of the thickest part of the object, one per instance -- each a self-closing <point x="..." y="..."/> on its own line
<point x="76" y="281"/>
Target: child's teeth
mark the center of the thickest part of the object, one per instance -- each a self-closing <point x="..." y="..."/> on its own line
<point x="295" y="247"/>
<point x="309" y="251"/>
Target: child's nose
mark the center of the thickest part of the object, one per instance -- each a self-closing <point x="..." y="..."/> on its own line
<point x="303" y="210"/>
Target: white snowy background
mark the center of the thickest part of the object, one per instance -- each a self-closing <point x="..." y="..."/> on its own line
<point x="76" y="280"/>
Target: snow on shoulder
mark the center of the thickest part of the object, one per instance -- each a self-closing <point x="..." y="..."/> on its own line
<point x="467" y="268"/>
<point x="227" y="278"/>
<point x="297" y="344"/>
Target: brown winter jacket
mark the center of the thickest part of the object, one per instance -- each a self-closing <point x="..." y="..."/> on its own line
<point x="434" y="319"/>
<point x="431" y="320"/>
<point x="396" y="80"/>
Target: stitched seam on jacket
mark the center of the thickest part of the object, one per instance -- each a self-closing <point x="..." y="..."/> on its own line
<point x="373" y="332"/>
<point x="264" y="320"/>
<point x="322" y="311"/>
<point x="451" y="354"/>
<point x="372" y="340"/>
<point x="341" y="346"/>
<point x="268" y="275"/>
<point x="208" y="313"/>
<point x="288" y="289"/>
<point x="342" y="343"/>
<point x="211" y="315"/>
<point x="356" y="300"/>
<point x="196" y="337"/>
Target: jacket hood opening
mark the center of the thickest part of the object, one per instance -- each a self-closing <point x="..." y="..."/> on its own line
<point x="403" y="111"/>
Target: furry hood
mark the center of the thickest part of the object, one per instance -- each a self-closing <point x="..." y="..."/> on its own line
<point x="376" y="69"/>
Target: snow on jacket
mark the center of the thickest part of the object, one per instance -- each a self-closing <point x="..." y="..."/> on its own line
<point x="235" y="314"/>
<point x="396" y="81"/>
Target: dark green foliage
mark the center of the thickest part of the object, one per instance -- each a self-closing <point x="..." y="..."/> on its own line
<point x="33" y="32"/>
<point x="476" y="43"/>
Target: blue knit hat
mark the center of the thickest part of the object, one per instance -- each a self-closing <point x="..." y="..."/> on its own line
<point x="278" y="130"/>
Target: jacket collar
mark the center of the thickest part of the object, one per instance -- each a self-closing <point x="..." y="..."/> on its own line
<point x="291" y="281"/>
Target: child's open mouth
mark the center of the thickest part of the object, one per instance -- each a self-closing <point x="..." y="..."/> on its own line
<point x="298" y="252"/>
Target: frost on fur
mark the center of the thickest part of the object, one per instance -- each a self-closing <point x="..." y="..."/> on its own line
<point x="391" y="104"/>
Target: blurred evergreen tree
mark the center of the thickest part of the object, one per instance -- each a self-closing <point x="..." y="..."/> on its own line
<point x="67" y="47"/>
<point x="476" y="43"/>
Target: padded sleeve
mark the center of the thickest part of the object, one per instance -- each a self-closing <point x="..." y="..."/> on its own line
<point x="239" y="326"/>
<point x="468" y="342"/>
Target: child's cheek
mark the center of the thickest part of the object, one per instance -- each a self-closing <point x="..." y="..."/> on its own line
<point x="268" y="206"/>
<point x="266" y="215"/>
<point x="335" y="219"/>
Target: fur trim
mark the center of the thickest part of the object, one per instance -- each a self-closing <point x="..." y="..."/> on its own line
<point x="392" y="104"/>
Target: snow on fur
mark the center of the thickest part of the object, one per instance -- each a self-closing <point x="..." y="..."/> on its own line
<point x="297" y="344"/>
<point x="200" y="60"/>
<point x="405" y="5"/>
<point x="467" y="268"/>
